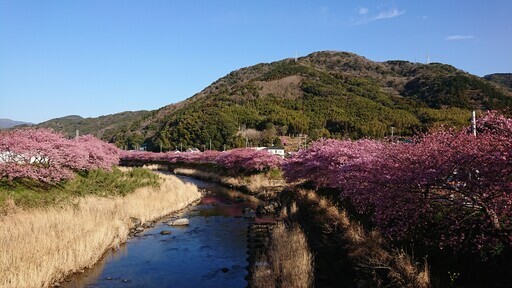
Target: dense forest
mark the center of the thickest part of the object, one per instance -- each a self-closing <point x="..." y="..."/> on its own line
<point x="325" y="94"/>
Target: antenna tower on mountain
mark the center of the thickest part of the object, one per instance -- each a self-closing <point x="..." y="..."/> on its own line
<point x="428" y="58"/>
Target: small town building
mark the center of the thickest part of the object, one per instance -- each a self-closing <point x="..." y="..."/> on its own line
<point x="276" y="150"/>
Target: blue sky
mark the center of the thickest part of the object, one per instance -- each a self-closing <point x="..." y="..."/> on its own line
<point x="99" y="57"/>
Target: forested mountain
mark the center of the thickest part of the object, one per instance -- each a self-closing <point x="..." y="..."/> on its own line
<point x="504" y="79"/>
<point x="325" y="94"/>
<point x="104" y="127"/>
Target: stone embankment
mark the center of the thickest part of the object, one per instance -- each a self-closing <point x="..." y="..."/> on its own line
<point x="258" y="240"/>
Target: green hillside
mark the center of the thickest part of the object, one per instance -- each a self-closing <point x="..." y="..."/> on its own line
<point x="328" y="94"/>
<point x="104" y="127"/>
<point x="503" y="79"/>
<point x="325" y="94"/>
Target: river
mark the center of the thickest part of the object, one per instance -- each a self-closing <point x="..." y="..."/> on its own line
<point x="210" y="252"/>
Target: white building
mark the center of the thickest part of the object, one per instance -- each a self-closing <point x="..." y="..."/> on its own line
<point x="276" y="150"/>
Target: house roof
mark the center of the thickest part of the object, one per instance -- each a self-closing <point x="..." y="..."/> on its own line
<point x="274" y="148"/>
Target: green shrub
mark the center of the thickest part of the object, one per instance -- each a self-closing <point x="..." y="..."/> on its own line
<point x="29" y="194"/>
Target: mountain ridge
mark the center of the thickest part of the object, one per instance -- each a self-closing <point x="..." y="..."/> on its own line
<point x="8" y="123"/>
<point x="103" y="127"/>
<point x="503" y="79"/>
<point x="324" y="94"/>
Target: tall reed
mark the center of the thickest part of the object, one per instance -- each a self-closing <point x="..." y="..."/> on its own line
<point x="366" y="250"/>
<point x="290" y="258"/>
<point x="288" y="261"/>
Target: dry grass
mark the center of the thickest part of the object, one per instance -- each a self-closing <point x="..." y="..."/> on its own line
<point x="287" y="87"/>
<point x="262" y="274"/>
<point x="289" y="258"/>
<point x="365" y="249"/>
<point x="156" y="167"/>
<point x="40" y="246"/>
<point x="253" y="184"/>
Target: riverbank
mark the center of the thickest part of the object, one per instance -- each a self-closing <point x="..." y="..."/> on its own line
<point x="346" y="254"/>
<point x="262" y="185"/>
<point x="42" y="245"/>
<point x="29" y="193"/>
<point x="209" y="252"/>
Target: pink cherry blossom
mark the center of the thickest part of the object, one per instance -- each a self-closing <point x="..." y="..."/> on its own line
<point x="446" y="188"/>
<point x="45" y="155"/>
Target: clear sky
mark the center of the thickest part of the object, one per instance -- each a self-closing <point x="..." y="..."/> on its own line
<point x="98" y="57"/>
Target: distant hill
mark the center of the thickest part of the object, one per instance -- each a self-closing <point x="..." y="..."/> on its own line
<point x="504" y="79"/>
<point x="8" y="123"/>
<point x="325" y="94"/>
<point x="104" y="127"/>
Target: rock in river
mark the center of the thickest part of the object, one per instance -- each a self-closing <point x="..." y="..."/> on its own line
<point x="165" y="232"/>
<point x="179" y="222"/>
<point x="135" y="221"/>
<point x="248" y="213"/>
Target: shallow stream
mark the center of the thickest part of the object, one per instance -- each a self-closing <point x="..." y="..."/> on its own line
<point x="210" y="252"/>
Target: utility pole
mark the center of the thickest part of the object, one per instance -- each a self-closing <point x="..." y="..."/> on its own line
<point x="473" y="123"/>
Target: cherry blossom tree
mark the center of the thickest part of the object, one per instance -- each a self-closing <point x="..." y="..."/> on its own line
<point x="45" y="155"/>
<point x="327" y="160"/>
<point x="236" y="160"/>
<point x="248" y="160"/>
<point x="446" y="188"/>
<point x="100" y="155"/>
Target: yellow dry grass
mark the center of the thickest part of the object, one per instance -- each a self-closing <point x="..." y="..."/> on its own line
<point x="40" y="246"/>
<point x="254" y="184"/>
<point x="366" y="249"/>
<point x="155" y="167"/>
<point x="290" y="258"/>
<point x="290" y="262"/>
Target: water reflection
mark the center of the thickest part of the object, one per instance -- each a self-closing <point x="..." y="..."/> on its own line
<point x="211" y="252"/>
